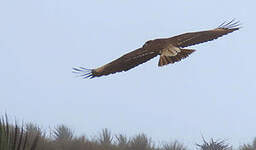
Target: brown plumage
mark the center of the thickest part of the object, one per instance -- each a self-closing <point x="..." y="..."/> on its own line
<point x="170" y="51"/>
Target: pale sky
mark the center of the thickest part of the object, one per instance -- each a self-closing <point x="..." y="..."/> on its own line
<point x="211" y="93"/>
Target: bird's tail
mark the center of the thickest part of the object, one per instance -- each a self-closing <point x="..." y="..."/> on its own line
<point x="84" y="72"/>
<point x="164" y="60"/>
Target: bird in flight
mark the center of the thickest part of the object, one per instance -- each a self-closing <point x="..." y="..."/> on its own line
<point x="171" y="50"/>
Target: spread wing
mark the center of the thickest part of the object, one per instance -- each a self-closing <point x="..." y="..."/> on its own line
<point x="192" y="38"/>
<point x="124" y="63"/>
<point x="152" y="49"/>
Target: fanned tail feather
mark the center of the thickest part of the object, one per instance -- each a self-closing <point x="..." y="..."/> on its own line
<point x="84" y="72"/>
<point x="164" y="60"/>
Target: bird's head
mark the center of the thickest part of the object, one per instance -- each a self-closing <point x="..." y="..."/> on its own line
<point x="155" y="44"/>
<point x="148" y="44"/>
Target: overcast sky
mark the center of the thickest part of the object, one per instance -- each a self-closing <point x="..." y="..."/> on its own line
<point x="211" y="93"/>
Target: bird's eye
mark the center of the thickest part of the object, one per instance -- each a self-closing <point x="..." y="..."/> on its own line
<point x="148" y="42"/>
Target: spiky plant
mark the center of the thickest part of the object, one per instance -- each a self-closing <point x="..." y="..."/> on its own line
<point x="105" y="137"/>
<point x="63" y="133"/>
<point x="249" y="146"/>
<point x="214" y="145"/>
<point x="141" y="142"/>
<point x="105" y="140"/>
<point x="14" y="137"/>
<point x="122" y="141"/>
<point x="173" y="146"/>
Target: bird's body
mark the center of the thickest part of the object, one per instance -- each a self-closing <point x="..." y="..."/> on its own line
<point x="170" y="51"/>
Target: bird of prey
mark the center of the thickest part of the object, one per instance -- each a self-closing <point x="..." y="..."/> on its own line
<point x="171" y="50"/>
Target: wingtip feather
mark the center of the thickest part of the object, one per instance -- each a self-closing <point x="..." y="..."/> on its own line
<point x="83" y="72"/>
<point x="233" y="24"/>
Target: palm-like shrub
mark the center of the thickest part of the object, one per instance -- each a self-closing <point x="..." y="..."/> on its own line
<point x="15" y="137"/>
<point x="214" y="145"/>
<point x="63" y="133"/>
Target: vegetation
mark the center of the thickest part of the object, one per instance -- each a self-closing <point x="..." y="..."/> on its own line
<point x="249" y="146"/>
<point x="13" y="137"/>
<point x="31" y="137"/>
<point x="214" y="145"/>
